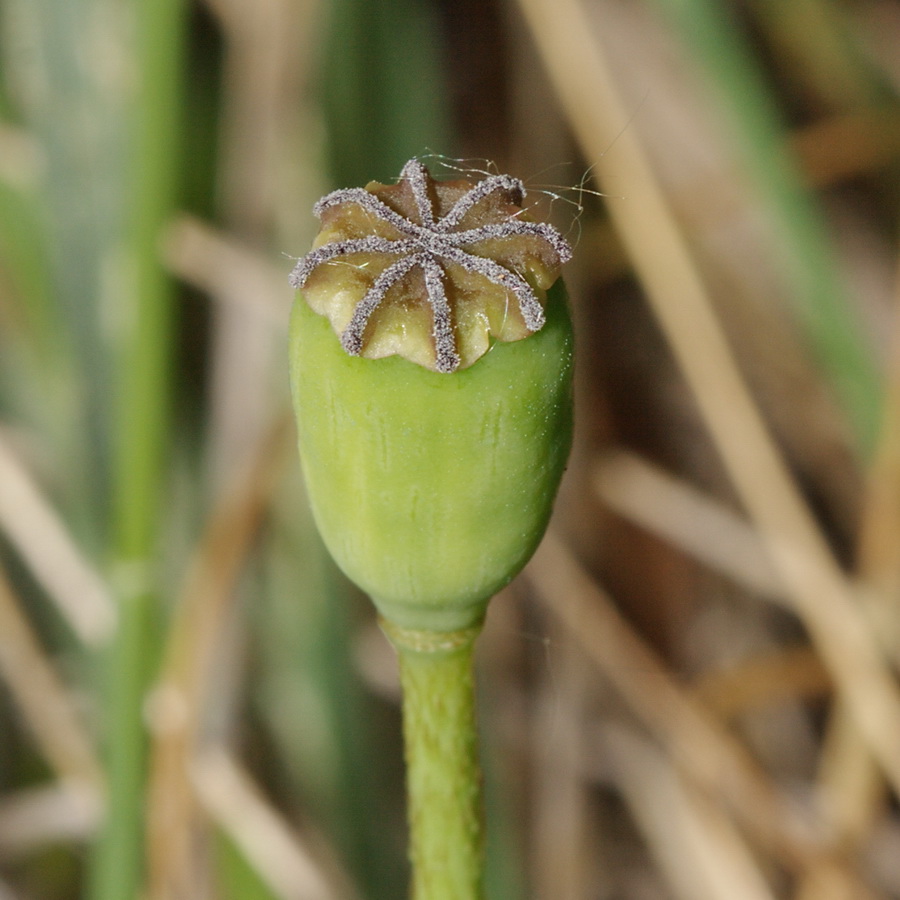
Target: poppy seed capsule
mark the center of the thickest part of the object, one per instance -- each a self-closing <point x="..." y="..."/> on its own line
<point x="432" y="477"/>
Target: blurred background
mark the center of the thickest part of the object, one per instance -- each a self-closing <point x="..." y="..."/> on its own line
<point x="692" y="691"/>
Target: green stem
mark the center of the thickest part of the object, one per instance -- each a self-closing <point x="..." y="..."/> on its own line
<point x="443" y="776"/>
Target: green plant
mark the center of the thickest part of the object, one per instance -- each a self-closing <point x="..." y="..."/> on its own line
<point x="433" y="398"/>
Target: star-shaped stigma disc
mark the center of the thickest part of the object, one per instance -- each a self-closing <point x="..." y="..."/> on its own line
<point x="430" y="270"/>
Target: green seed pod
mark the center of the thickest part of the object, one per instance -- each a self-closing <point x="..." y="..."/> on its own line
<point x="432" y="465"/>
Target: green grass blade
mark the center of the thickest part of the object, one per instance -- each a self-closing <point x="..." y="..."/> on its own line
<point x="382" y="107"/>
<point x="142" y="375"/>
<point x="806" y="257"/>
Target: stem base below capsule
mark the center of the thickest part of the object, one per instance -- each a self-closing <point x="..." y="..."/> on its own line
<point x="443" y="777"/>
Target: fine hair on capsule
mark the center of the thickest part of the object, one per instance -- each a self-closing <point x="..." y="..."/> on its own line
<point x="570" y="194"/>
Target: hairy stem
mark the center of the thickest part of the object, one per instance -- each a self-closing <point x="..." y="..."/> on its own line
<point x="443" y="776"/>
